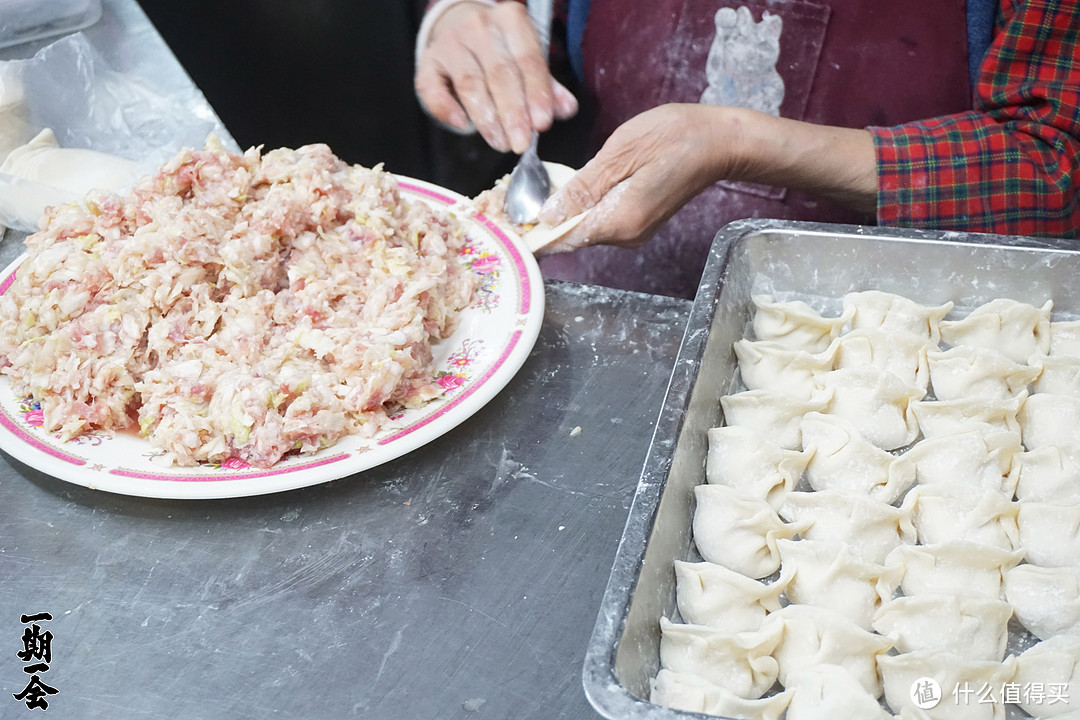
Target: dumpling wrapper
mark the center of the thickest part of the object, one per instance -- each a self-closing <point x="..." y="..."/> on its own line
<point x="713" y="595"/>
<point x="961" y="568"/>
<point x="741" y="663"/>
<point x="540" y="236"/>
<point x="827" y="691"/>
<point x="813" y="636"/>
<point x="73" y="170"/>
<point x="901" y="672"/>
<point x="1045" y="600"/>
<point x="1054" y="665"/>
<point x="684" y="691"/>
<point x="976" y="628"/>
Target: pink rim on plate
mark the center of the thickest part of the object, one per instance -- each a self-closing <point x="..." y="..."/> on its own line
<point x="496" y="335"/>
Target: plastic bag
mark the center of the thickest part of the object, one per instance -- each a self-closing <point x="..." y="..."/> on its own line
<point x="68" y="87"/>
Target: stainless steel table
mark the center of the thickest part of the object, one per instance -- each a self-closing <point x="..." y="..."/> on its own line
<point x="460" y="581"/>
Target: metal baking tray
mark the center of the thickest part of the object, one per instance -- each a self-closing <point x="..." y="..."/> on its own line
<point x="816" y="263"/>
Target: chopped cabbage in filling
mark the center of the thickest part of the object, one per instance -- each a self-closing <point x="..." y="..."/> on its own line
<point x="236" y="306"/>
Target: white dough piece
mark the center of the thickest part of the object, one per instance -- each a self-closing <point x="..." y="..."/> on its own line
<point x="737" y="531"/>
<point x="874" y="309"/>
<point x="974" y="373"/>
<point x="875" y="401"/>
<point x="771" y="414"/>
<point x="974" y="460"/>
<point x="713" y="595"/>
<point x="900" y="673"/>
<point x="871" y="528"/>
<point x="769" y="365"/>
<point x="742" y="458"/>
<point x="948" y="417"/>
<point x="1047" y="419"/>
<point x="14" y="129"/>
<point x="1065" y="338"/>
<point x="966" y="569"/>
<point x="1049" y="474"/>
<point x="683" y="691"/>
<point x="1052" y="666"/>
<point x="901" y="354"/>
<point x="944" y="514"/>
<point x="831" y="575"/>
<point x="845" y="460"/>
<point x="974" y="628"/>
<point x="1013" y="328"/>
<point x="1050" y="533"/>
<point x="813" y="636"/>
<point x="794" y="324"/>
<point x="1058" y="375"/>
<point x="1045" y="600"/>
<point x="828" y="692"/>
<point x="741" y="663"/>
<point x="73" y="170"/>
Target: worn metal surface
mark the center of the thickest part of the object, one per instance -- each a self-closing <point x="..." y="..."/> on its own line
<point x="790" y="260"/>
<point x="460" y="581"/>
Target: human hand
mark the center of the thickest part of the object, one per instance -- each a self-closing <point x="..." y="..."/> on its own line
<point x="654" y="163"/>
<point x="484" y="67"/>
<point x="649" y="168"/>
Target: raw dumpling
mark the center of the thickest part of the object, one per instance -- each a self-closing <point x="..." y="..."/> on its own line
<point x="768" y="365"/>
<point x="1050" y="533"/>
<point x="740" y="663"/>
<point x="828" y="692"/>
<point x="894" y="313"/>
<point x="1050" y="420"/>
<point x="948" y="417"/>
<point x="814" y="635"/>
<point x="683" y="691"/>
<point x="869" y="527"/>
<point x="901" y="672"/>
<point x="974" y="373"/>
<point x="1013" y="328"/>
<point x="1054" y="666"/>
<point x="794" y="324"/>
<point x="902" y="355"/>
<point x="943" y="514"/>
<point x="74" y="170"/>
<point x="713" y="595"/>
<point x="771" y="414"/>
<point x="754" y="464"/>
<point x="738" y="532"/>
<point x="1065" y="338"/>
<point x="974" y="628"/>
<point x="1049" y="474"/>
<point x="974" y="460"/>
<point x="1058" y="375"/>
<point x="1045" y="600"/>
<point x="844" y="460"/>
<point x="875" y="401"/>
<point x="952" y="568"/>
<point x="831" y="575"/>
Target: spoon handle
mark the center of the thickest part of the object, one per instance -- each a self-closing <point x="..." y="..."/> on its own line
<point x="540" y="12"/>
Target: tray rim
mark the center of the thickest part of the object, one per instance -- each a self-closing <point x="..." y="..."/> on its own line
<point x="603" y="690"/>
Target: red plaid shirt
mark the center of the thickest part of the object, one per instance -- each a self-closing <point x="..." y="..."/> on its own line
<point x="1012" y="164"/>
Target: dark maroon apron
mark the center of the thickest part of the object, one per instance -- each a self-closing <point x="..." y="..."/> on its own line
<point x="841" y="62"/>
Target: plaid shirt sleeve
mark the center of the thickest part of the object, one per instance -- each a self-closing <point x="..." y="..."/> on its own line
<point x="1012" y="164"/>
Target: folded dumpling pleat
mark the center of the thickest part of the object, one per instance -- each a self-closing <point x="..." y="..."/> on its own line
<point x="741" y="663"/>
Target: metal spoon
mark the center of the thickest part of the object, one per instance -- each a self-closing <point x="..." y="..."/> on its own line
<point x="529" y="184"/>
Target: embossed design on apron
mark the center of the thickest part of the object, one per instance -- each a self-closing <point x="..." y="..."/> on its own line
<point x="741" y="65"/>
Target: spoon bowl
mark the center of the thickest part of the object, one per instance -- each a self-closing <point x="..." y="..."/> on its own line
<point x="529" y="186"/>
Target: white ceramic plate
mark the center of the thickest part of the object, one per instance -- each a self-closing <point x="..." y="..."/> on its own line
<point x="496" y="334"/>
